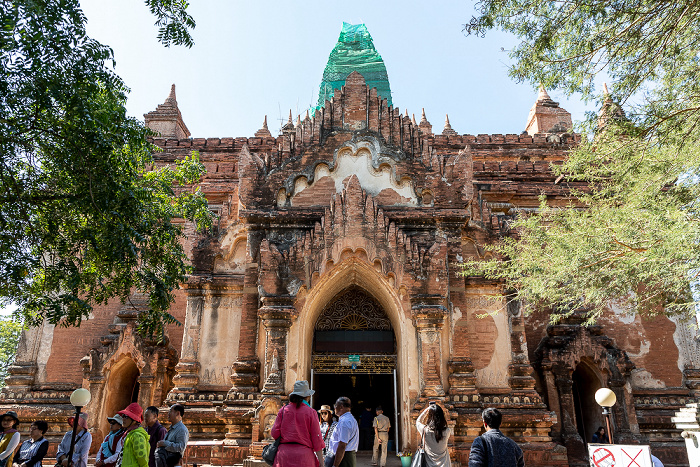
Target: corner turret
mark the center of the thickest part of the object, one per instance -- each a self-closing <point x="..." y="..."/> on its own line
<point x="547" y="117"/>
<point x="166" y="120"/>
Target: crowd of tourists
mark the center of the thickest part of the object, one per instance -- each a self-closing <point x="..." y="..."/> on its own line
<point x="135" y="439"/>
<point x="332" y="437"/>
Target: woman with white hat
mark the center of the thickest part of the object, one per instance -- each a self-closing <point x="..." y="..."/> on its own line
<point x="111" y="447"/>
<point x="327" y="421"/>
<point x="300" y="433"/>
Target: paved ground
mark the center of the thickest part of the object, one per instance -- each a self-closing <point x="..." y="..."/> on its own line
<point x="364" y="459"/>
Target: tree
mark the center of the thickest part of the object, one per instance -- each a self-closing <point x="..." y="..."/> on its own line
<point x="633" y="235"/>
<point x="82" y="218"/>
<point x="10" y="331"/>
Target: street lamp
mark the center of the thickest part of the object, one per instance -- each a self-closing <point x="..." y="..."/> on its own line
<point x="79" y="399"/>
<point x="606" y="399"/>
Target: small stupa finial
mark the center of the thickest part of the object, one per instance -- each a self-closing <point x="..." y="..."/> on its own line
<point x="172" y="100"/>
<point x="264" y="130"/>
<point x="422" y="116"/>
<point x="448" y="128"/>
<point x="413" y="119"/>
<point x="542" y="95"/>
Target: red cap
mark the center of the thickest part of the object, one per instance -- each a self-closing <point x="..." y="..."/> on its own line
<point x="133" y="411"/>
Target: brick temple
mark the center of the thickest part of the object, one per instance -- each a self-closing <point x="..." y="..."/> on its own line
<point x="334" y="260"/>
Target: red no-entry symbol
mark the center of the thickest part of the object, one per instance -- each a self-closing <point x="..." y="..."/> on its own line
<point x="633" y="459"/>
<point x="603" y="458"/>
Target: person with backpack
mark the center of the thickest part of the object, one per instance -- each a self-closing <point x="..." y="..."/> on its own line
<point x="111" y="446"/>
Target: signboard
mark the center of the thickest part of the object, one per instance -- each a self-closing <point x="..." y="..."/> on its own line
<point x="619" y="455"/>
<point x="354" y="358"/>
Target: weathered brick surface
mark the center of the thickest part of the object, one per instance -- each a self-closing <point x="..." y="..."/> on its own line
<point x="291" y="221"/>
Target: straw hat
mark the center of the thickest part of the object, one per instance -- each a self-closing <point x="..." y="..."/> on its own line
<point x="301" y="388"/>
<point x="325" y="408"/>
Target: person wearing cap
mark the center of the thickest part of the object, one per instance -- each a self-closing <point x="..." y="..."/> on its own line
<point x="171" y="449"/>
<point x="327" y="421"/>
<point x="155" y="430"/>
<point x="136" y="447"/>
<point x="83" y="440"/>
<point x="111" y="446"/>
<point x="10" y="437"/>
<point x="33" y="450"/>
<point x="301" y="443"/>
<point x="381" y="426"/>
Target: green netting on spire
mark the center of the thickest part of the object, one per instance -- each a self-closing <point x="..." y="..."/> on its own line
<point x="354" y="52"/>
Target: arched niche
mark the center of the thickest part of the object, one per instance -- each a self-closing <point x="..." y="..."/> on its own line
<point x="122" y="388"/>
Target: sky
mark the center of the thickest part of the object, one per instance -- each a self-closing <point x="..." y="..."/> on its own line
<point x="258" y="58"/>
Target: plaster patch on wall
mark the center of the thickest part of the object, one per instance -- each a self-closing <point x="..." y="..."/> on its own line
<point x="372" y="180"/>
<point x="644" y="347"/>
<point x="685" y="338"/>
<point x="643" y="379"/>
<point x="44" y="350"/>
<point x="489" y="336"/>
<point x="221" y="323"/>
<point x="623" y="315"/>
<point x="456" y="316"/>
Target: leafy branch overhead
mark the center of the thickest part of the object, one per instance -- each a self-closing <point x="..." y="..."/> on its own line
<point x="83" y="219"/>
<point x="173" y="21"/>
<point x="631" y="238"/>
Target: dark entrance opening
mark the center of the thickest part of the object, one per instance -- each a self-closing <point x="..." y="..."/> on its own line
<point x="588" y="412"/>
<point x="364" y="390"/>
<point x="354" y="355"/>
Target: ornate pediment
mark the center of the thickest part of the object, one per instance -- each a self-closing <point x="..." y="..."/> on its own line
<point x="364" y="157"/>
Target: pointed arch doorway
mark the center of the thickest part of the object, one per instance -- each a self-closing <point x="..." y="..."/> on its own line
<point x="354" y="354"/>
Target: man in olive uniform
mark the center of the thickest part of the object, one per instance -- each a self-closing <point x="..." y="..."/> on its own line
<point x="381" y="426"/>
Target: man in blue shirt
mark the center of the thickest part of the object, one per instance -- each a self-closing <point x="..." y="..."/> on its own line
<point x="170" y="450"/>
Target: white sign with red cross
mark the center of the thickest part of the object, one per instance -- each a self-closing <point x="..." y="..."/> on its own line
<point x="619" y="455"/>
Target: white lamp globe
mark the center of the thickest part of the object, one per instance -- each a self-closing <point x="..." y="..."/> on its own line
<point x="80" y="397"/>
<point x="605" y="397"/>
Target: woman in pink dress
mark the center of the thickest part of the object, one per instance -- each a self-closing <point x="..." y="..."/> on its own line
<point x="297" y="423"/>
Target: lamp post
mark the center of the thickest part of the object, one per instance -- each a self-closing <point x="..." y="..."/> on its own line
<point x="606" y="399"/>
<point x="79" y="399"/>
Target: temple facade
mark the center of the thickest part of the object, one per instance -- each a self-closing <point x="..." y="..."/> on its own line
<point x="335" y="259"/>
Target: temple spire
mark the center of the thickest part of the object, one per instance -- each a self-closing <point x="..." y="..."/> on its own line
<point x="166" y="120"/>
<point x="547" y="117"/>
<point x="424" y="124"/>
<point x="263" y="132"/>
<point x="448" y="128"/>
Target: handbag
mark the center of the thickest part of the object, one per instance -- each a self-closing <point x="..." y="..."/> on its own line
<point x="270" y="451"/>
<point x="419" y="458"/>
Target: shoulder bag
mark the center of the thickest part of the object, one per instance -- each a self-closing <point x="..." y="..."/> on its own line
<point x="419" y="458"/>
<point x="270" y="451"/>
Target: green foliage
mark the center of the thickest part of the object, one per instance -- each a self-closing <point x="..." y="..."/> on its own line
<point x="173" y="21"/>
<point x="82" y="219"/>
<point x="10" y="331"/>
<point x="632" y="235"/>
